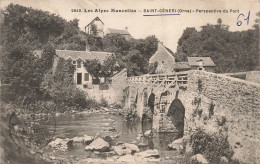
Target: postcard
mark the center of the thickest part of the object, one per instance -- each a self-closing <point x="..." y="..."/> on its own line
<point x="141" y="81"/>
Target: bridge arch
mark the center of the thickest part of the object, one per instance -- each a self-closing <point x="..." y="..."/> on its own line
<point x="176" y="113"/>
<point x="151" y="105"/>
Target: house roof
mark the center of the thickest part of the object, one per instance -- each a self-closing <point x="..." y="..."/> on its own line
<point x="182" y="65"/>
<point x="97" y="19"/>
<point x="161" y="49"/>
<point x="83" y="55"/>
<point x="115" y="31"/>
<point x="206" y="61"/>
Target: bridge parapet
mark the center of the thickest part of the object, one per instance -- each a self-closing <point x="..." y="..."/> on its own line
<point x="156" y="79"/>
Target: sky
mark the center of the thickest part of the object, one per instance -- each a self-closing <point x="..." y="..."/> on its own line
<point x="168" y="29"/>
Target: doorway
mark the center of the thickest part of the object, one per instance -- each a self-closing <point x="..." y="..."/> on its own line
<point x="79" y="78"/>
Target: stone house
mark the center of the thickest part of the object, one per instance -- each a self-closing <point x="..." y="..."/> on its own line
<point x="201" y="63"/>
<point x="81" y="76"/>
<point x="166" y="62"/>
<point x="123" y="33"/>
<point x="95" y="28"/>
<point x="164" y="59"/>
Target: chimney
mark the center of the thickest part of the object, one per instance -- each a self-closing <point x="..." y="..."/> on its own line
<point x="126" y="28"/>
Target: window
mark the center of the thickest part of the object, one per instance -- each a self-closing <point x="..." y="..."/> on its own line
<point x="78" y="64"/>
<point x="162" y="61"/>
<point x="86" y="77"/>
<point x="74" y="62"/>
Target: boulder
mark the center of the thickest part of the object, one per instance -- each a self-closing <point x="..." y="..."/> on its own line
<point x="125" y="148"/>
<point x="223" y="160"/>
<point x="61" y="144"/>
<point x="188" y="149"/>
<point x="98" y="145"/>
<point x="176" y="144"/>
<point x="85" y="139"/>
<point x="121" y="150"/>
<point x="148" y="153"/>
<point x="77" y="139"/>
<point x="199" y="158"/>
<point x="127" y="158"/>
<point x="147" y="133"/>
<point x="133" y="147"/>
<point x="143" y="144"/>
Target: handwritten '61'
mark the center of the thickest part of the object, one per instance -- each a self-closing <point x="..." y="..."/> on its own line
<point x="239" y="22"/>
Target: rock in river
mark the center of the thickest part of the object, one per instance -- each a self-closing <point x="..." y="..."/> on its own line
<point x="148" y="133"/>
<point x="176" y="145"/>
<point x="125" y="148"/>
<point x="199" y="158"/>
<point x="98" y="145"/>
<point x="85" y="139"/>
<point x="61" y="144"/>
<point x="148" y="153"/>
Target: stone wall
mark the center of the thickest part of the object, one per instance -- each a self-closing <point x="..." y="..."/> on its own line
<point x="218" y="104"/>
<point x="114" y="92"/>
<point x="235" y="100"/>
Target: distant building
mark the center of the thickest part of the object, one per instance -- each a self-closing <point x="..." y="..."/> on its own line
<point x="201" y="63"/>
<point x="81" y="76"/>
<point x="210" y="26"/>
<point x="181" y="66"/>
<point x="123" y="33"/>
<point x="95" y="28"/>
<point x="164" y="59"/>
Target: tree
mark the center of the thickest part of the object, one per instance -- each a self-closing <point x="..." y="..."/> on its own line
<point x="230" y="51"/>
<point x="93" y="67"/>
<point x="21" y="75"/>
<point x="109" y="67"/>
<point x="219" y="21"/>
<point x="48" y="57"/>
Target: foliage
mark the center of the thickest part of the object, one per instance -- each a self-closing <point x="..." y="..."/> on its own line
<point x="61" y="88"/>
<point x="21" y="74"/>
<point x="35" y="28"/>
<point x="131" y="115"/>
<point x="104" y="102"/>
<point x="93" y="67"/>
<point x="230" y="51"/>
<point x="211" y="109"/>
<point x="213" y="146"/>
<point x="92" y="104"/>
<point x="48" y="57"/>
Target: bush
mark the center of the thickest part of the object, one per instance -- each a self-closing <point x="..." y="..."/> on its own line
<point x="104" y="102"/>
<point x="59" y="86"/>
<point x="92" y="104"/>
<point x="131" y="115"/>
<point x="213" y="146"/>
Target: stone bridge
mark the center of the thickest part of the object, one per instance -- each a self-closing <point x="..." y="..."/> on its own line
<point x="185" y="101"/>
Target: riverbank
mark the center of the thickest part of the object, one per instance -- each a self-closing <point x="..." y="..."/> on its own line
<point x="108" y="124"/>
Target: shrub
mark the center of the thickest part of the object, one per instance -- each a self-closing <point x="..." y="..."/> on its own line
<point x="104" y="102"/>
<point x="92" y="104"/>
<point x="131" y="115"/>
<point x="213" y="146"/>
<point x="211" y="109"/>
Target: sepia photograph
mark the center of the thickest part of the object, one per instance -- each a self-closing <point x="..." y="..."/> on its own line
<point x="140" y="81"/>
